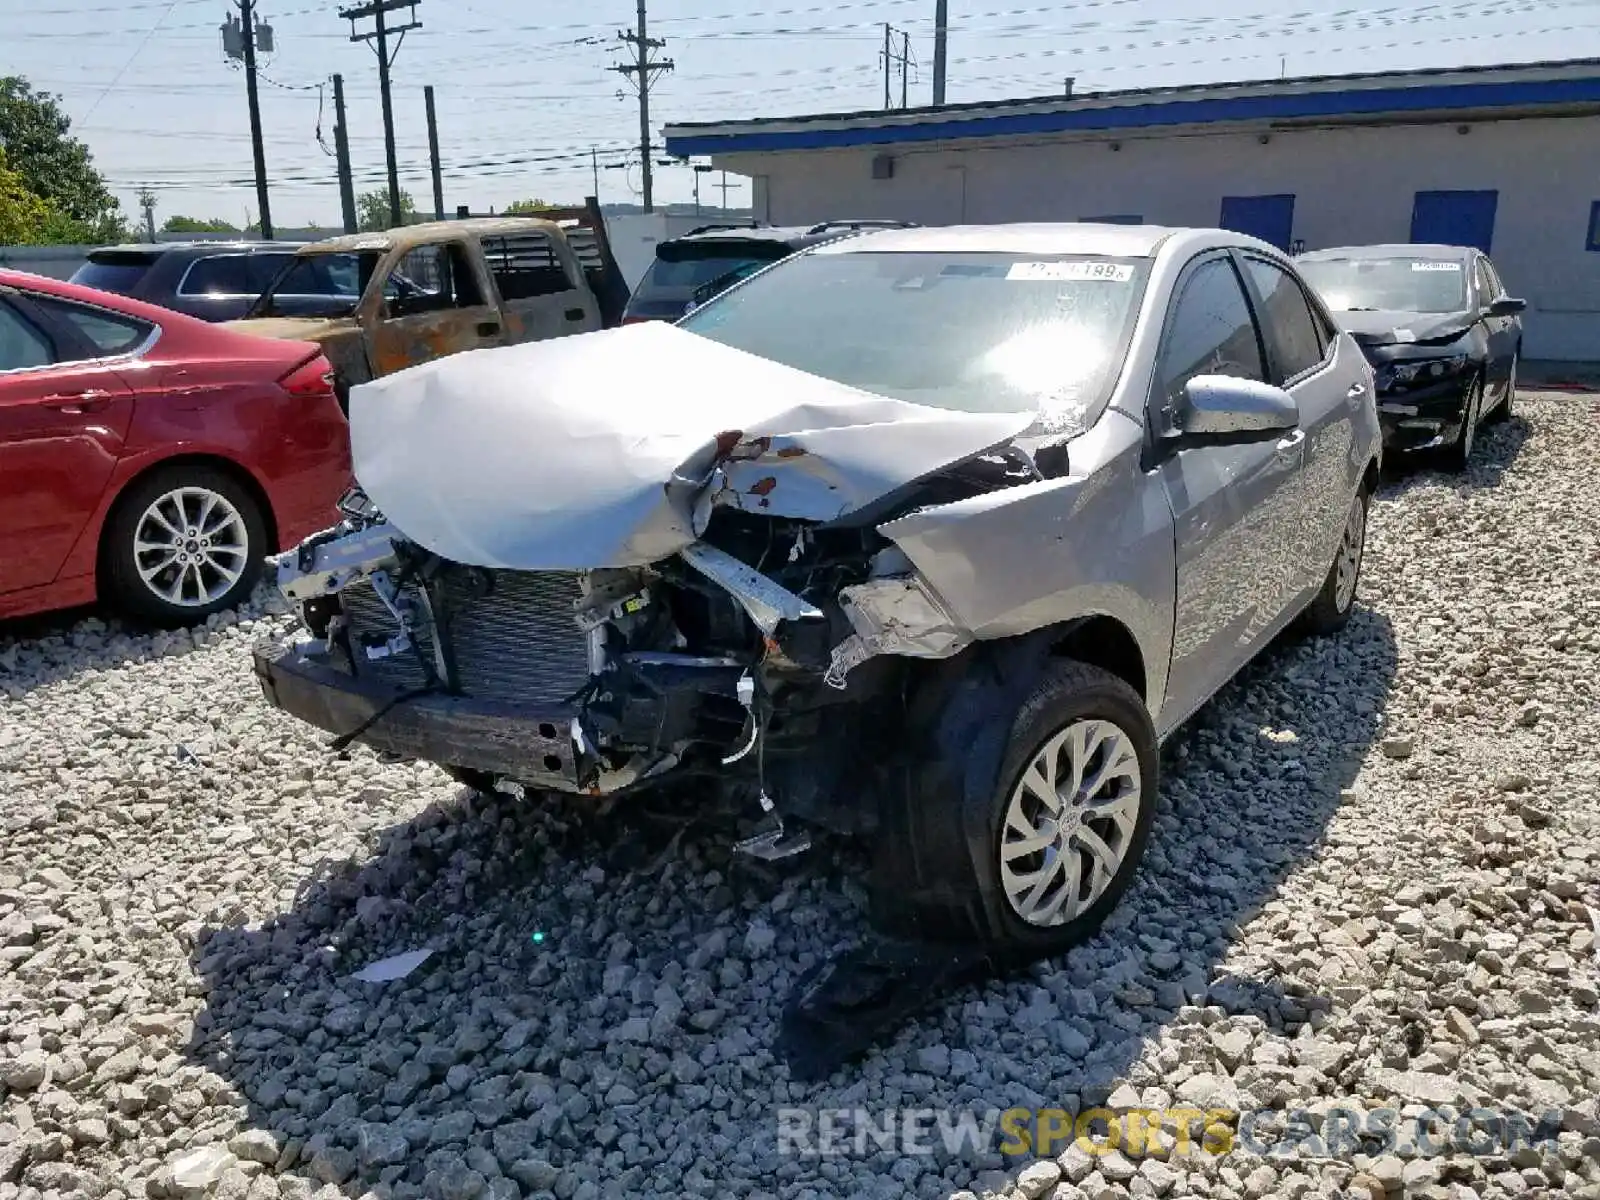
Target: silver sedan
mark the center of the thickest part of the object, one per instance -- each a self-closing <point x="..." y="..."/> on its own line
<point x="930" y="535"/>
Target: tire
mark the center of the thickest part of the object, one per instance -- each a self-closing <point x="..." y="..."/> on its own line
<point x="1507" y="407"/>
<point x="200" y="575"/>
<point x="951" y="862"/>
<point x="1458" y="455"/>
<point x="1331" y="609"/>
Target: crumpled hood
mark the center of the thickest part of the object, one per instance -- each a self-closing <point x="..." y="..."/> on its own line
<point x="602" y="449"/>
<point x="1399" y="328"/>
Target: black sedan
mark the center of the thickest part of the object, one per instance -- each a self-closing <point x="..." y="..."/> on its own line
<point x="1440" y="332"/>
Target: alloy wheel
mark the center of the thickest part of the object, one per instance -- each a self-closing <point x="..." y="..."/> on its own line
<point x="1070" y="821"/>
<point x="191" y="546"/>
<point x="1347" y="567"/>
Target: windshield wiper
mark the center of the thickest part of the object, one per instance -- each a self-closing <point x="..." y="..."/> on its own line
<point x="1364" y="308"/>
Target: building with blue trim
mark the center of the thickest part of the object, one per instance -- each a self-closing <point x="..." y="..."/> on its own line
<point x="1506" y="158"/>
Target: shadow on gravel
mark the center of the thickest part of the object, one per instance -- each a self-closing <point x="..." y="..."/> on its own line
<point x="600" y="1009"/>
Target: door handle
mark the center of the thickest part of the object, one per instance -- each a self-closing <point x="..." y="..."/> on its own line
<point x="574" y="314"/>
<point x="1292" y="442"/>
<point x="78" y="402"/>
<point x="488" y="328"/>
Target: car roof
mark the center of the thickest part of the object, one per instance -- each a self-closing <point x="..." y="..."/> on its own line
<point x="159" y="248"/>
<point x="1423" y="251"/>
<point x="1074" y="237"/>
<point x="432" y="231"/>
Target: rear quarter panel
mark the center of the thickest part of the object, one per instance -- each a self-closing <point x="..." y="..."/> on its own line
<point x="296" y="450"/>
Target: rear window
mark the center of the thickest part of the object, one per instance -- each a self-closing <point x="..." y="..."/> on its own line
<point x="114" y="271"/>
<point x="684" y="266"/>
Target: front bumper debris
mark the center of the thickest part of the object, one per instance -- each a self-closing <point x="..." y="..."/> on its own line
<point x="1423" y="418"/>
<point x="537" y="748"/>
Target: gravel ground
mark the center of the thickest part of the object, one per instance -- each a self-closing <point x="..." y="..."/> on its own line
<point x="1369" y="886"/>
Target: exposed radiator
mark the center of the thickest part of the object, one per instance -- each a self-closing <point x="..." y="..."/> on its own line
<point x="518" y="643"/>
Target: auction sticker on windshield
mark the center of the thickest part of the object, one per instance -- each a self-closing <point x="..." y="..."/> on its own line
<point x="1436" y="266"/>
<point x="1070" y="271"/>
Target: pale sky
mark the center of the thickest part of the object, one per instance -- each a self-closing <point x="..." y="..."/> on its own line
<point x="524" y="93"/>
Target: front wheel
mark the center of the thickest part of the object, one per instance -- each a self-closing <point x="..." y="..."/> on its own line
<point x="1330" y="611"/>
<point x="1460" y="453"/>
<point x="1054" y="844"/>
<point x="183" y="543"/>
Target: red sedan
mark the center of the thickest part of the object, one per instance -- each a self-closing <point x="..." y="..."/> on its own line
<point x="150" y="459"/>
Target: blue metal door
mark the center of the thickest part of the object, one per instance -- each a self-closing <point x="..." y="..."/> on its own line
<point x="1455" y="218"/>
<point x="1270" y="218"/>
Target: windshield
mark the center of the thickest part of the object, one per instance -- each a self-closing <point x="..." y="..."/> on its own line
<point x="1387" y="284"/>
<point x="971" y="332"/>
<point x="322" y="285"/>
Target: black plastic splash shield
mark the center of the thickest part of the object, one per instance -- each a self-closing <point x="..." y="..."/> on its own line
<point x="841" y="1007"/>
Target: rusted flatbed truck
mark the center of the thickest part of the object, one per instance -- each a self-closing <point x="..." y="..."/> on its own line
<point x="377" y="303"/>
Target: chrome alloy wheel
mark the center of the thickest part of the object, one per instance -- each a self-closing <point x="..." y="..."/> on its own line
<point x="191" y="546"/>
<point x="1347" y="567"/>
<point x="1069" y="822"/>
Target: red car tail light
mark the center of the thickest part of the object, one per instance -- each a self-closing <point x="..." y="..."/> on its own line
<point x="313" y="378"/>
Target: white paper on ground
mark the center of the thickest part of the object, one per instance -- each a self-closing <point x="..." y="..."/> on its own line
<point x="387" y="970"/>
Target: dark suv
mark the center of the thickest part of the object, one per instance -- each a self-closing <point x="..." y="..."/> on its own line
<point x="215" y="281"/>
<point x="693" y="267"/>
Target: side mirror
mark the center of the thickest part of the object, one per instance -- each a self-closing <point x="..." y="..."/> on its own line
<point x="1506" y="306"/>
<point x="1224" y="410"/>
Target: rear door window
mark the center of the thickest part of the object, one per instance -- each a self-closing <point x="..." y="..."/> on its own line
<point x="218" y="275"/>
<point x="110" y="334"/>
<point x="117" y="271"/>
<point x="1287" y="321"/>
<point x="526" y="266"/>
<point x="22" y="344"/>
<point x="262" y="269"/>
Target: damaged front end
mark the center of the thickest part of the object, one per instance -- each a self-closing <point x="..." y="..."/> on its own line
<point x="770" y="653"/>
<point x="751" y="621"/>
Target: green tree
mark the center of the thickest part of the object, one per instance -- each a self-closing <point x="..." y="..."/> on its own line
<point x="55" y="166"/>
<point x="22" y="214"/>
<point x="182" y="224"/>
<point x="526" y="207"/>
<point x="372" y="210"/>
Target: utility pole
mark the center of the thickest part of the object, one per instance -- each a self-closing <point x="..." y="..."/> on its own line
<point x="240" y="37"/>
<point x="433" y="155"/>
<point x="643" y="71"/>
<point x="941" y="38"/>
<point x="888" y="32"/>
<point x="724" y="186"/>
<point x="892" y="60"/>
<point x="147" y="201"/>
<point x="380" y="33"/>
<point x="594" y="163"/>
<point x="341" y="146"/>
<point x="905" y="67"/>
